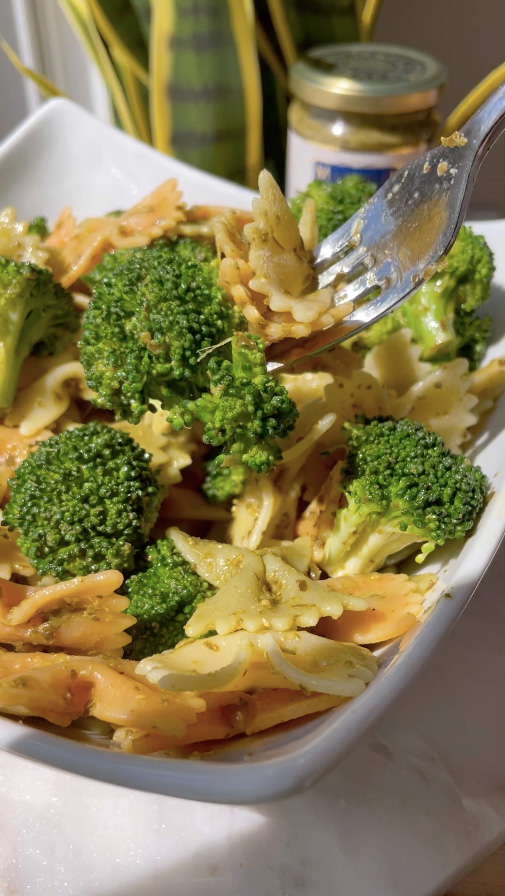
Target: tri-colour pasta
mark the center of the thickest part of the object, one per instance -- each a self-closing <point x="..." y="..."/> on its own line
<point x="276" y="639"/>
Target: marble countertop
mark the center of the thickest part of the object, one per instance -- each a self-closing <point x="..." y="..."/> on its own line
<point x="412" y="810"/>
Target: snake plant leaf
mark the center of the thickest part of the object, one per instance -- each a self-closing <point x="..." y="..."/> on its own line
<point x="143" y="11"/>
<point x="79" y="15"/>
<point x="46" y="87"/>
<point x="137" y="96"/>
<point x="205" y="85"/>
<point x="300" y="25"/>
<point x="120" y="28"/>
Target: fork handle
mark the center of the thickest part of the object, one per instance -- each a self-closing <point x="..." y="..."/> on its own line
<point x="486" y="125"/>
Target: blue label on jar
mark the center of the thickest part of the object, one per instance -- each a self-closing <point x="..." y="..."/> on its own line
<point x="332" y="173"/>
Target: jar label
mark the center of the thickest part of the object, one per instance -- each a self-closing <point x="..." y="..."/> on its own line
<point x="307" y="161"/>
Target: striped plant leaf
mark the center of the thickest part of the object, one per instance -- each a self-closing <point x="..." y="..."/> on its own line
<point x="46" y="87"/>
<point x="242" y="21"/>
<point x="301" y="24"/>
<point x="143" y="10"/>
<point x="368" y="18"/>
<point x="202" y="101"/>
<point x="120" y="28"/>
<point x="80" y="18"/>
<point x="137" y="95"/>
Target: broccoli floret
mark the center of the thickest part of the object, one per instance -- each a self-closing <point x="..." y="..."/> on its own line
<point x="335" y="202"/>
<point x="402" y="487"/>
<point x="163" y="596"/>
<point x="243" y="414"/>
<point x="108" y="264"/>
<point x="222" y="483"/>
<point x="441" y="314"/>
<point x="83" y="501"/>
<point x="147" y="324"/>
<point x="36" y="316"/>
<point x="39" y="226"/>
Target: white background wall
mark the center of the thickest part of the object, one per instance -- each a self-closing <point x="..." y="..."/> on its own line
<point x="468" y="36"/>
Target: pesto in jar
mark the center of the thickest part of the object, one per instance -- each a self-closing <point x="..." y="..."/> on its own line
<point x="365" y="108"/>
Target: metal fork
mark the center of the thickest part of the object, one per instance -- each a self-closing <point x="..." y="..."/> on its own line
<point x="398" y="238"/>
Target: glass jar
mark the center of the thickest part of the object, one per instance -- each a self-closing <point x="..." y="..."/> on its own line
<point x="365" y="108"/>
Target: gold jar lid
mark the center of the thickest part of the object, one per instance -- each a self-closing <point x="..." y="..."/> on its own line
<point x="370" y="78"/>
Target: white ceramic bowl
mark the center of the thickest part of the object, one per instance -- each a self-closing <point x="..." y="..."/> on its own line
<point x="63" y="156"/>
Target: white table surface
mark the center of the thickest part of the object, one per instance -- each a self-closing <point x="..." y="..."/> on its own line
<point x="407" y="814"/>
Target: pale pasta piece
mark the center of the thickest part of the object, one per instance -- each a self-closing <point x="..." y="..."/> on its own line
<point x="276" y="251"/>
<point x="14" y="448"/>
<point x="62" y="688"/>
<point x="40" y="405"/>
<point x="79" y="247"/>
<point x="437" y="395"/>
<point x="170" y="451"/>
<point x="82" y="614"/>
<point x="487" y="384"/>
<point x="395" y="603"/>
<point x="242" y="660"/>
<point x="307" y="225"/>
<point x="396" y="363"/>
<point x="268" y="508"/>
<point x="318" y="518"/>
<point x="237" y="713"/>
<point x="442" y="401"/>
<point x="264" y="590"/>
<point x="269" y="273"/>
<point x="17" y="243"/>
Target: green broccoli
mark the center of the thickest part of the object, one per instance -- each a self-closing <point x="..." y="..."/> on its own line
<point x="85" y="500"/>
<point x="39" y="226"/>
<point x="36" y="316"/>
<point x="148" y="323"/>
<point x="441" y="314"/>
<point x="402" y="487"/>
<point x="335" y="202"/>
<point x="163" y="596"/>
<point x="243" y="414"/>
<point x="108" y="264"/>
<point x="221" y="483"/>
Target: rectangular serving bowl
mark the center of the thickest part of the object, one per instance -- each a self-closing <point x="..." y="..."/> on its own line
<point x="63" y="156"/>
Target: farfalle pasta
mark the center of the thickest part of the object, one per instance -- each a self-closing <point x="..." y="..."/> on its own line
<point x="222" y="616"/>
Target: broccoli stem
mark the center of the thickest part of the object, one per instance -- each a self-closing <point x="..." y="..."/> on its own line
<point x="429" y="316"/>
<point x="354" y="549"/>
<point x="11" y="359"/>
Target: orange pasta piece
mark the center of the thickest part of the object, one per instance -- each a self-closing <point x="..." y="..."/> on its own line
<point x="233" y="714"/>
<point x="61" y="688"/>
<point x="82" y="614"/>
<point x="79" y="247"/>
<point x="395" y="603"/>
